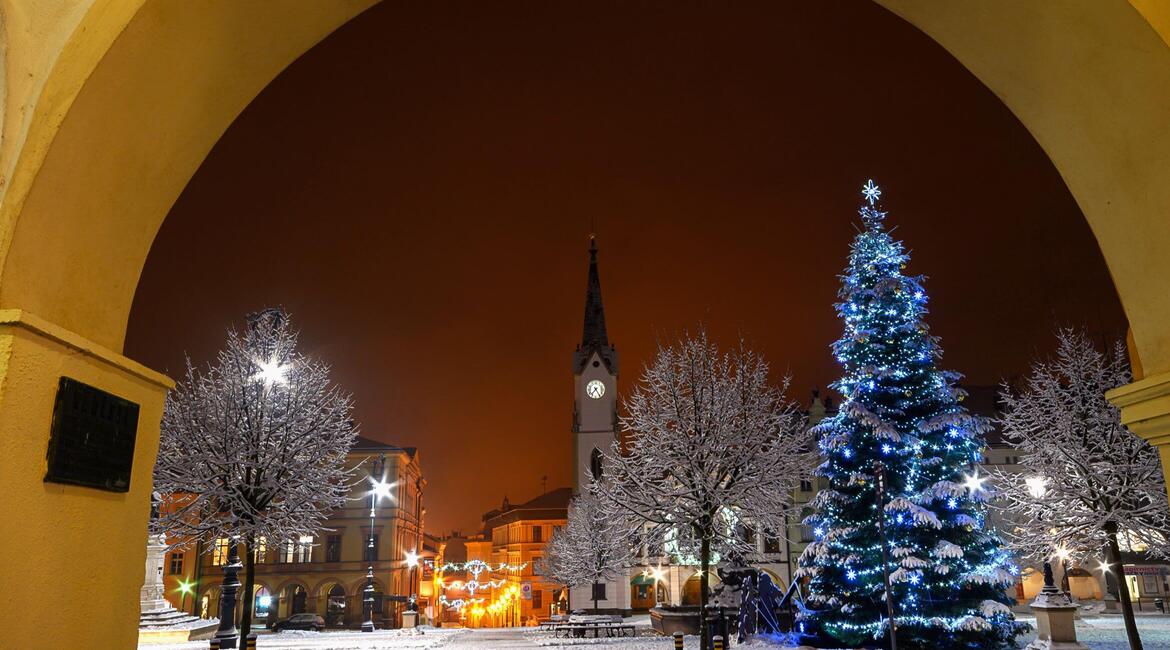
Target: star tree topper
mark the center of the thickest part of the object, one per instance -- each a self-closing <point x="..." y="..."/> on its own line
<point x="871" y="192"/>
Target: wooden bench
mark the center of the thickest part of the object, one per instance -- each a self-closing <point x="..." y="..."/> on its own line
<point x="580" y="630"/>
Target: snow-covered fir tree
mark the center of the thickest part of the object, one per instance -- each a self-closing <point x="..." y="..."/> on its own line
<point x="1087" y="482"/>
<point x="711" y="448"/>
<point x="252" y="449"/>
<point x="593" y="547"/>
<point x="899" y="413"/>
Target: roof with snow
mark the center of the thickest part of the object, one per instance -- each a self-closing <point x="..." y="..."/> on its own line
<point x="366" y="445"/>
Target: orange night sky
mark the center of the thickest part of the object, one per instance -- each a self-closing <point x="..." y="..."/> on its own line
<point x="418" y="191"/>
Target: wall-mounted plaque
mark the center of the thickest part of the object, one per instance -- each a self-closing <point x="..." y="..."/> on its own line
<point x="92" y="438"/>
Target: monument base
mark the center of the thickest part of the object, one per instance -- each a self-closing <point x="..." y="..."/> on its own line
<point x="1055" y="621"/>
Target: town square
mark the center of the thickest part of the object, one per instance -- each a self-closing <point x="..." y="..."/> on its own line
<point x="800" y="325"/>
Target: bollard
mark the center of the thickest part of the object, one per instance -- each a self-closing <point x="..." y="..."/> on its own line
<point x="718" y="640"/>
<point x="215" y="644"/>
<point x="250" y="643"/>
<point x="678" y="640"/>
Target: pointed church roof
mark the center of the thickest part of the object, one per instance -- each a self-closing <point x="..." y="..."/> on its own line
<point x="594" y="337"/>
<point x="594" y="334"/>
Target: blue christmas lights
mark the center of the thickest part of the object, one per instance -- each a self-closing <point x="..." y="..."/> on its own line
<point x="900" y="409"/>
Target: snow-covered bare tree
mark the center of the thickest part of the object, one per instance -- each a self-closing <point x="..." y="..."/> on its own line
<point x="711" y="446"/>
<point x="1087" y="482"/>
<point x="253" y="448"/>
<point x="594" y="546"/>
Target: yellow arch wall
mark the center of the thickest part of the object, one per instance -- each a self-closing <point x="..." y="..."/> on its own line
<point x="1091" y="81"/>
<point x="109" y="106"/>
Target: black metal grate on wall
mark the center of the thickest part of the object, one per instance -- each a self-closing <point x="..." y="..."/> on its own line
<point x="92" y="438"/>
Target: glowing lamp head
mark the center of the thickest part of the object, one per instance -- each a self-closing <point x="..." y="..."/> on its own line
<point x="382" y="489"/>
<point x="186" y="587"/>
<point x="1061" y="554"/>
<point x="973" y="482"/>
<point x="411" y="559"/>
<point x="658" y="573"/>
<point x="265" y="601"/>
<point x="271" y="372"/>
<point x="1037" y="486"/>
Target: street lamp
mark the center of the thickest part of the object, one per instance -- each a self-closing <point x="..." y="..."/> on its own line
<point x="272" y="372"/>
<point x="410" y="558"/>
<point x="379" y="489"/>
<point x="1037" y="486"/>
<point x="185" y="588"/>
<point x="973" y="482"/>
<point x="227" y="634"/>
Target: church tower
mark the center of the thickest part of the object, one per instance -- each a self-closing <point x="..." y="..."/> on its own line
<point x="595" y="373"/>
<point x="595" y="425"/>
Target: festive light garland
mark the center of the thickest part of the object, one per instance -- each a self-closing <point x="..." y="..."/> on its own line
<point x="475" y="567"/>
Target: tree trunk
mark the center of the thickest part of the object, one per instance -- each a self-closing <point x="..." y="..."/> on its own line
<point x="249" y="584"/>
<point x="1113" y="557"/>
<point x="704" y="567"/>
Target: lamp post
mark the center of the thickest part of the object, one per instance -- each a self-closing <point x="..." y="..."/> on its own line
<point x="379" y="489"/>
<point x="227" y="634"/>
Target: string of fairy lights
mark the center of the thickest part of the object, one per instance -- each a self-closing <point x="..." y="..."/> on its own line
<point x="506" y="594"/>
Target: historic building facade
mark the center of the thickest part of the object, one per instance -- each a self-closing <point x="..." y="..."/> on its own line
<point x="518" y="536"/>
<point x="326" y="574"/>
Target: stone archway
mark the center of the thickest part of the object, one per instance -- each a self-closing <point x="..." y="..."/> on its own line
<point x="1091" y="82"/>
<point x="109" y="107"/>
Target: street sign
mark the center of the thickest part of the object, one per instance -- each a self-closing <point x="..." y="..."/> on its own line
<point x="526" y="590"/>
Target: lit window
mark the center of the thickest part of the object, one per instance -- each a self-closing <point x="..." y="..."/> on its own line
<point x="219" y="554"/>
<point x="298" y="551"/>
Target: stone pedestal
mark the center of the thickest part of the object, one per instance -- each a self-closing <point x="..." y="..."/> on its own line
<point x="153" y="594"/>
<point x="409" y="620"/>
<point x="158" y="622"/>
<point x="1055" y="615"/>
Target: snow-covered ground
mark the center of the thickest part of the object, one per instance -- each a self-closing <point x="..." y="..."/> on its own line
<point x="1097" y="632"/>
<point x="343" y="640"/>
<point x="1108" y="632"/>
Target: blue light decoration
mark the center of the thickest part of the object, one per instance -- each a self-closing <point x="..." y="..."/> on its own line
<point x="947" y="573"/>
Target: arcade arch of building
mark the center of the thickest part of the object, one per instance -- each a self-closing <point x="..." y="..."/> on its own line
<point x="109" y="106"/>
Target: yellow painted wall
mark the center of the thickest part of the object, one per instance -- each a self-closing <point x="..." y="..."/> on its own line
<point x="109" y="106"/>
<point x="1090" y="79"/>
<point x="50" y="531"/>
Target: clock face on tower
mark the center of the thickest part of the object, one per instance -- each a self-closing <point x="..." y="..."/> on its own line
<point x="595" y="389"/>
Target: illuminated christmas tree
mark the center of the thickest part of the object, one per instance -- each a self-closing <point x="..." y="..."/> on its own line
<point x="900" y="457"/>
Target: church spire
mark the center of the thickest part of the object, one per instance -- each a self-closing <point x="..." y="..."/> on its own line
<point x="594" y="334"/>
<point x="594" y="337"/>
